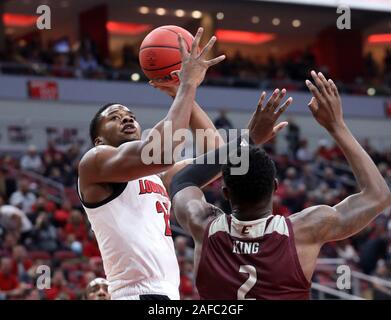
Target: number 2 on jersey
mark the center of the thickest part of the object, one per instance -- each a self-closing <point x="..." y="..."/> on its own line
<point x="250" y="282"/>
<point x="163" y="208"/>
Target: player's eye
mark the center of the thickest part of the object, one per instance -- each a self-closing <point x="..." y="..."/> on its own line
<point x="115" y="118"/>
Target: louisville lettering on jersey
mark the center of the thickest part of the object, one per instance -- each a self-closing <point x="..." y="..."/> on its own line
<point x="147" y="186"/>
<point x="240" y="247"/>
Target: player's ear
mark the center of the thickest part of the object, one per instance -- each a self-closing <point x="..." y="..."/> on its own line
<point x="275" y="184"/>
<point x="98" y="141"/>
<point x="226" y="193"/>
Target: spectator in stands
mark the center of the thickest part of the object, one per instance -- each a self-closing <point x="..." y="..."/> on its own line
<point x="90" y="246"/>
<point x="61" y="215"/>
<point x="324" y="152"/>
<point x="97" y="289"/>
<point x="61" y="66"/>
<point x="14" y="219"/>
<point x="96" y="266"/>
<point x="51" y="150"/>
<point x="31" y="160"/>
<point x="371" y="69"/>
<point x="308" y="177"/>
<point x="76" y="226"/>
<point x="279" y="208"/>
<point x="303" y="154"/>
<point x="9" y="284"/>
<point x="383" y="271"/>
<point x="87" y="65"/>
<point x="330" y="178"/>
<point x="45" y="234"/>
<point x="88" y="277"/>
<point x="222" y="121"/>
<point x="33" y="294"/>
<point x="7" y="184"/>
<point x="23" y="198"/>
<point x="186" y="287"/>
<point x="374" y="249"/>
<point x="59" y="289"/>
<point x="10" y="241"/>
<point x="293" y="137"/>
<point x="21" y="263"/>
<point x="346" y="251"/>
<point x="182" y="248"/>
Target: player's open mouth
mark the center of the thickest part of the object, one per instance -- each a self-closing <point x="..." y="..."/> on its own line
<point x="129" y="129"/>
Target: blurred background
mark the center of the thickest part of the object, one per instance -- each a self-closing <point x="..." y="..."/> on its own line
<point x="53" y="81"/>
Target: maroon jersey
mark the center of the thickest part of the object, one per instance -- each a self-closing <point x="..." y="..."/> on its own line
<point x="250" y="260"/>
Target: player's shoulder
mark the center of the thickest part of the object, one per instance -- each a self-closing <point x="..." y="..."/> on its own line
<point x="308" y="213"/>
<point x="89" y="157"/>
<point x="310" y="220"/>
<point x="217" y="221"/>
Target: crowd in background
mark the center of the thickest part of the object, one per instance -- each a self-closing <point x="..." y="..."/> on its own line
<point x="40" y="227"/>
<point x="62" y="60"/>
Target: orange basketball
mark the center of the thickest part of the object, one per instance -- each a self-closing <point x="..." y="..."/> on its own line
<point x="159" y="52"/>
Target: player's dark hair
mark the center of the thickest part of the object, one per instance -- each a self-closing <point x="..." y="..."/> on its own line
<point x="94" y="124"/>
<point x="258" y="183"/>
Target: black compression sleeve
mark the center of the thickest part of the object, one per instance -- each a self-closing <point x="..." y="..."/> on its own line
<point x="200" y="171"/>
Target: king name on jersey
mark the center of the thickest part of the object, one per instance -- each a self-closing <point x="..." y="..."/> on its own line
<point x="241" y="247"/>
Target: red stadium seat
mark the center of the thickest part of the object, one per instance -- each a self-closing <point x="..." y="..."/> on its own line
<point x="65" y="255"/>
<point x="39" y="255"/>
<point x="70" y="267"/>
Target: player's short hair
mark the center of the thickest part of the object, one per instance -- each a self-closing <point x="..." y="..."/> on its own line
<point x="258" y="183"/>
<point x="94" y="124"/>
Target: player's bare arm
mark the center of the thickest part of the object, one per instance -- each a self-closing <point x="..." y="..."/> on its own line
<point x="106" y="164"/>
<point x="317" y="225"/>
<point x="190" y="207"/>
<point x="199" y="120"/>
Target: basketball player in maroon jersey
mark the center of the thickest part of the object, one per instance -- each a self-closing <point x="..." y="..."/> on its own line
<point x="254" y="254"/>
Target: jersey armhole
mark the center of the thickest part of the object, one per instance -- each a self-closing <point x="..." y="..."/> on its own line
<point x="203" y="248"/>
<point x="292" y="244"/>
<point x="118" y="188"/>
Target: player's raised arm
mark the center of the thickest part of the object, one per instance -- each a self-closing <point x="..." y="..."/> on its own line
<point x="126" y="162"/>
<point x="199" y="120"/>
<point x="190" y="207"/>
<point x="321" y="224"/>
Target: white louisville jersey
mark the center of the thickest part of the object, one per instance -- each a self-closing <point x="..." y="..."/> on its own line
<point x="134" y="237"/>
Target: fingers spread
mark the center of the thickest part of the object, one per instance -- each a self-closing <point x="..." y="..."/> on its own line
<point x="182" y="49"/>
<point x="208" y="46"/>
<point x="285" y="106"/>
<point x="319" y="83"/>
<point x="271" y="100"/>
<point x="314" y="90"/>
<point x="313" y="105"/>
<point x="278" y="100"/>
<point x="261" y="100"/>
<point x="214" y="61"/>
<point x="280" y="126"/>
<point x="196" y="42"/>
<point x="334" y="87"/>
<point x="325" y="83"/>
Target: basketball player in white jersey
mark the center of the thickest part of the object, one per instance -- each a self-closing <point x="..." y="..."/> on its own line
<point x="126" y="200"/>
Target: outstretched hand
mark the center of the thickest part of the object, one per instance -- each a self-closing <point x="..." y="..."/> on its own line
<point x="325" y="105"/>
<point x="194" y="63"/>
<point x="262" y="125"/>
